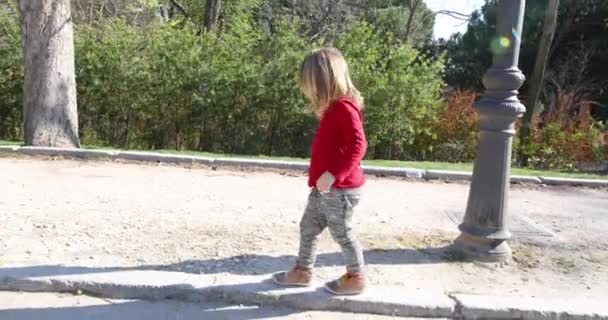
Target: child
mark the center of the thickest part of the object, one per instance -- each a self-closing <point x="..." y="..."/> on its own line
<point x="335" y="174"/>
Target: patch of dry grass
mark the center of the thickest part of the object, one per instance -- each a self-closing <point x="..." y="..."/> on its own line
<point x="527" y="256"/>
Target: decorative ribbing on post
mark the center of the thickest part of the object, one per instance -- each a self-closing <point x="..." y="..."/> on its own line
<point x="484" y="229"/>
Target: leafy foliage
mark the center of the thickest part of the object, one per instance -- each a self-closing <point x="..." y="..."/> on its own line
<point x="11" y="75"/>
<point x="566" y="136"/>
<point x="150" y="77"/>
<point x="458" y="128"/>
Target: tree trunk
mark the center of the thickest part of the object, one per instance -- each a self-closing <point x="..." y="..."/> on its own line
<point x="274" y="126"/>
<point x="127" y="127"/>
<point x="538" y="75"/>
<point x="49" y="107"/>
<point x="413" y="6"/>
<point x="212" y="14"/>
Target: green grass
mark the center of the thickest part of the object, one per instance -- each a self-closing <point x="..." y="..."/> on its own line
<point x="10" y="143"/>
<point x="216" y="155"/>
<point x="427" y="165"/>
<point x="423" y="165"/>
<point x="557" y="174"/>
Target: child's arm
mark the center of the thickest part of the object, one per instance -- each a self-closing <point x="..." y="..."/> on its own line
<point x="350" y="124"/>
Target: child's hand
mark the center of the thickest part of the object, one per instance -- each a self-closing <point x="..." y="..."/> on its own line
<point x="325" y="181"/>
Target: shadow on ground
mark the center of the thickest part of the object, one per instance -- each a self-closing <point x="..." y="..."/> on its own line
<point x="249" y="264"/>
<point x="142" y="310"/>
<point x="12" y="278"/>
<point x="264" y="264"/>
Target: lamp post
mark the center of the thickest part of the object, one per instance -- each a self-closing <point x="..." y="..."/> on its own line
<point x="484" y="230"/>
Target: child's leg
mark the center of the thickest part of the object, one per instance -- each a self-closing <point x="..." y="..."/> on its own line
<point x="312" y="224"/>
<point x="338" y="208"/>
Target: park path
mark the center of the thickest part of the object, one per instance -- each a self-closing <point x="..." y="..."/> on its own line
<point x="199" y="220"/>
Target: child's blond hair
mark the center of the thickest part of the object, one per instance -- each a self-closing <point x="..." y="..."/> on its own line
<point x="324" y="78"/>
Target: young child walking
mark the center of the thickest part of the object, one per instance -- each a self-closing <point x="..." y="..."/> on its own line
<point x="335" y="174"/>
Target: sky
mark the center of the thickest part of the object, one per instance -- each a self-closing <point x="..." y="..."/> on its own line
<point x="446" y="25"/>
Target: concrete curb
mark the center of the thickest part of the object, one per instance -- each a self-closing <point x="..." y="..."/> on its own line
<point x="9" y="149"/>
<point x="395" y="172"/>
<point x="158" y="285"/>
<point x="573" y="182"/>
<point x="159" y="157"/>
<point x="75" y="153"/>
<point x="396" y="301"/>
<point x="236" y="162"/>
<point x="526" y="180"/>
<point x="488" y="307"/>
<point x="445" y="175"/>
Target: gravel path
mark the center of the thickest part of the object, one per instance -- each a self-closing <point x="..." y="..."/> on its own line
<point x="105" y="214"/>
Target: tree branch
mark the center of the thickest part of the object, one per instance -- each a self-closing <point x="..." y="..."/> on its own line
<point x="114" y="7"/>
<point x="321" y="22"/>
<point x="408" y="29"/>
<point x="181" y="9"/>
<point x="454" y="14"/>
<point x="318" y="34"/>
<point x="81" y="11"/>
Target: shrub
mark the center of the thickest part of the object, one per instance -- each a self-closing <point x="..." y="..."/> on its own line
<point x="11" y="75"/>
<point x="457" y="128"/>
<point x="565" y="136"/>
<point x="402" y="91"/>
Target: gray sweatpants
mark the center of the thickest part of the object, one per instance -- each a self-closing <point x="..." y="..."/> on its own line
<point x="334" y="210"/>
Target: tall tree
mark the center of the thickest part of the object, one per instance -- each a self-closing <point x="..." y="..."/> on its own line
<point x="212" y="14"/>
<point x="49" y="108"/>
<point x="409" y="20"/>
<point x="538" y="76"/>
<point x="413" y="6"/>
<point x="470" y="54"/>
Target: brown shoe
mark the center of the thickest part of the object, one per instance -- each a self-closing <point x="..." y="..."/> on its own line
<point x="297" y="277"/>
<point x="348" y="284"/>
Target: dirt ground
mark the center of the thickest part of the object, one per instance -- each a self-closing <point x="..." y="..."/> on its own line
<point x="201" y="220"/>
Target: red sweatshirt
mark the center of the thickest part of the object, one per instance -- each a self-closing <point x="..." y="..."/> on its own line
<point x="339" y="146"/>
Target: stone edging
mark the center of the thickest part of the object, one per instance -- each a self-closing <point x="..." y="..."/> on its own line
<point x="287" y="165"/>
<point x="116" y="283"/>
